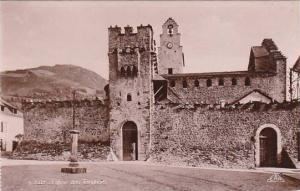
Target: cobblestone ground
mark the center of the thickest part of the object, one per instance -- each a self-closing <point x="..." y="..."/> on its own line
<point x="137" y="177"/>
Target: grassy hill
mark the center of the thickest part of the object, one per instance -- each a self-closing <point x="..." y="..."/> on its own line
<point x="51" y="82"/>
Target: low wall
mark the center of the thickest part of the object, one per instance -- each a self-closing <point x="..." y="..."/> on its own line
<point x="58" y="151"/>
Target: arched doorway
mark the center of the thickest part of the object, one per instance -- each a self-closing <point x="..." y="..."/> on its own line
<point x="269" y="140"/>
<point x="268" y="147"/>
<point x="130" y="141"/>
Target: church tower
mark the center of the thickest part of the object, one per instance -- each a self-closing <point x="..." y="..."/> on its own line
<point x="170" y="55"/>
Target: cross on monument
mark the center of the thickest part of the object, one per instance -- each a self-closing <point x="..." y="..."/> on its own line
<point x="73" y="167"/>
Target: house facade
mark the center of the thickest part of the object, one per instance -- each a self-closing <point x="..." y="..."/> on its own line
<point x="12" y="124"/>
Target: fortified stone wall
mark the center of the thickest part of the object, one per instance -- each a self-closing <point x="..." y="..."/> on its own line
<point x="215" y="93"/>
<point x="51" y="121"/>
<point x="266" y="72"/>
<point x="202" y="136"/>
<point x="197" y="89"/>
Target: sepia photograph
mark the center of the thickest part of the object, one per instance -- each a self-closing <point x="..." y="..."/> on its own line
<point x="150" y="95"/>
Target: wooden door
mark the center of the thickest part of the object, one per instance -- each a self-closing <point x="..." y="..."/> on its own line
<point x="268" y="148"/>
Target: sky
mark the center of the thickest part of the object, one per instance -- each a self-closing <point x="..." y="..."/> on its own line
<point x="216" y="36"/>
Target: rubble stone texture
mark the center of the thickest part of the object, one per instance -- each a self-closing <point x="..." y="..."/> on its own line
<point x="218" y="137"/>
<point x="52" y="121"/>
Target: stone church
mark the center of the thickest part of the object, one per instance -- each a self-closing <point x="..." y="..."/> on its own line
<point x="154" y="111"/>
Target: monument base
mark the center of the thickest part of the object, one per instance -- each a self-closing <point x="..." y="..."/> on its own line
<point x="73" y="170"/>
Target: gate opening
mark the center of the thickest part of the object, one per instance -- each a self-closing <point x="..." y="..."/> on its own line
<point x="130" y="141"/>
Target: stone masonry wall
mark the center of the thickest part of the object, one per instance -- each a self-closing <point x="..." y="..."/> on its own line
<point x="130" y="49"/>
<point x="201" y="136"/>
<point x="227" y="92"/>
<point x="51" y="121"/>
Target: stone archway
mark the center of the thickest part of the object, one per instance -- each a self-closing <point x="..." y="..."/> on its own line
<point x="130" y="141"/>
<point x="267" y="146"/>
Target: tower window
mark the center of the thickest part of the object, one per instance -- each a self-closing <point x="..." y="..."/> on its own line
<point x="134" y="71"/>
<point x="170" y="29"/>
<point x="196" y="83"/>
<point x="122" y="71"/>
<point x="172" y="83"/>
<point x="184" y="84"/>
<point x="170" y="70"/>
<point x="129" y="98"/>
<point x="221" y="82"/>
<point x="233" y="81"/>
<point x="208" y="82"/>
<point x="247" y="81"/>
<point x="128" y="71"/>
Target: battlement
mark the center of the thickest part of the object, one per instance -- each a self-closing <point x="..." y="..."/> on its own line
<point x="128" y="30"/>
<point x="27" y="105"/>
<point x="251" y="106"/>
<point x="116" y="29"/>
<point x="143" y="38"/>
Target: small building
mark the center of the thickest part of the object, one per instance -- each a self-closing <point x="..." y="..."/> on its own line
<point x="11" y="124"/>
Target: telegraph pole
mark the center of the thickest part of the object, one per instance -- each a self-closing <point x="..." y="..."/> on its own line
<point x="73" y="108"/>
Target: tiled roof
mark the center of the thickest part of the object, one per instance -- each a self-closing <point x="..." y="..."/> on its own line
<point x="5" y="103"/>
<point x="256" y="90"/>
<point x="171" y="20"/>
<point x="259" y="51"/>
<point x="296" y="66"/>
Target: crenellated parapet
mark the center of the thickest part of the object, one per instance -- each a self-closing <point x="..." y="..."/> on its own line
<point x="250" y="106"/>
<point x="129" y="50"/>
<point x="28" y="105"/>
<point x="142" y="39"/>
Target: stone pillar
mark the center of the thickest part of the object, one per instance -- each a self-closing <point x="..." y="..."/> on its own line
<point x="73" y="167"/>
<point x="74" y="148"/>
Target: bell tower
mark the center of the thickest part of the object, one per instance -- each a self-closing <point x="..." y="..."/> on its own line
<point x="170" y="55"/>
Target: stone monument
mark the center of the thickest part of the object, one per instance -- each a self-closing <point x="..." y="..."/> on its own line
<point x="73" y="167"/>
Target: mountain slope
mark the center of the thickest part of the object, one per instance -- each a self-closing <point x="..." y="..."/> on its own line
<point x="52" y="82"/>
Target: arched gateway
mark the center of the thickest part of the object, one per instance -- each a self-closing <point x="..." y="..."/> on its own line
<point x="130" y="141"/>
<point x="267" y="146"/>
